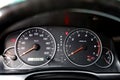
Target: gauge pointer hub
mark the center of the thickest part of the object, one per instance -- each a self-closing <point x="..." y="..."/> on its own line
<point x="34" y="47"/>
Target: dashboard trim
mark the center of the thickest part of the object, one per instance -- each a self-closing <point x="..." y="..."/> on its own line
<point x="24" y="76"/>
<point x="96" y="12"/>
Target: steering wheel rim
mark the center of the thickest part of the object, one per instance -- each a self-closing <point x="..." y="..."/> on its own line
<point x="29" y="8"/>
<point x="17" y="12"/>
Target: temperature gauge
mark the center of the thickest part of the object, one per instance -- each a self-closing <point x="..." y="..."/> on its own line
<point x="10" y="59"/>
<point x="106" y="59"/>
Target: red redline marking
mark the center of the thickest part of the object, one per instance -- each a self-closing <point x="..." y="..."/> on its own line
<point x="90" y="57"/>
<point x="106" y="61"/>
<point x="98" y="47"/>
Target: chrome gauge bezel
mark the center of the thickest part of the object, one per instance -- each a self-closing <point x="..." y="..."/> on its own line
<point x="32" y="66"/>
<point x="112" y="56"/>
<point x="92" y="33"/>
<point x="6" y="66"/>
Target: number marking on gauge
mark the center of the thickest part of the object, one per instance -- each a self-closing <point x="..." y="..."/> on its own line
<point x="91" y="46"/>
<point x="37" y="42"/>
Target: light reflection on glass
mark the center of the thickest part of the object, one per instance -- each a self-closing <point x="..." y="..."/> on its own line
<point x="0" y="14"/>
<point x="9" y="2"/>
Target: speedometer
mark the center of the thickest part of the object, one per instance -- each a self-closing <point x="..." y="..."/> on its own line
<point x="35" y="46"/>
<point x="82" y="47"/>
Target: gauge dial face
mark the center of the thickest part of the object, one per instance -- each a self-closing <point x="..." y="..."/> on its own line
<point x="106" y="58"/>
<point x="10" y="59"/>
<point x="83" y="47"/>
<point x="35" y="46"/>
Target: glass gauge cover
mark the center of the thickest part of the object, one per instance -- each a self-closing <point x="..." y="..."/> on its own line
<point x="35" y="46"/>
<point x="83" y="47"/>
<point x="10" y="59"/>
<point x="106" y="58"/>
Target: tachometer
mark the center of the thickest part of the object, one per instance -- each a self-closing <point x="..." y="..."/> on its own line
<point x="35" y="46"/>
<point x="83" y="47"/>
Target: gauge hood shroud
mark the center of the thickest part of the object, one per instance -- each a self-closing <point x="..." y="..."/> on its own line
<point x="62" y="76"/>
<point x="19" y="11"/>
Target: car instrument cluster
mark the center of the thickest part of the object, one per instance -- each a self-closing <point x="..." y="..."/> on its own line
<point x="61" y="40"/>
<point x="50" y="46"/>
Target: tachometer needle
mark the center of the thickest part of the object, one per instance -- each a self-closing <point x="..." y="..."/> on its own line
<point x="76" y="51"/>
<point x="34" y="47"/>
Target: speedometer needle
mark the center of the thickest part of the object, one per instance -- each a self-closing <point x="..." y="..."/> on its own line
<point x="34" y="47"/>
<point x="76" y="51"/>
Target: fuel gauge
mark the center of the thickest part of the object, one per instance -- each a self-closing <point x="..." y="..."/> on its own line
<point x="106" y="59"/>
<point x="10" y="59"/>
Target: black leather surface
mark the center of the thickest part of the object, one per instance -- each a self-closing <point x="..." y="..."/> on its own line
<point x="61" y="76"/>
<point x="20" y="11"/>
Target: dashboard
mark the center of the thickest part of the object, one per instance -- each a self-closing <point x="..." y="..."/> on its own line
<point x="62" y="43"/>
<point x="52" y="46"/>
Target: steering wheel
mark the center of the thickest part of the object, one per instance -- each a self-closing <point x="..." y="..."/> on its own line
<point x="25" y="9"/>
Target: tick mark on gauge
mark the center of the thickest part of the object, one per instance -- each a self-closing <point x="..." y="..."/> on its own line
<point x="86" y="44"/>
<point x="41" y="44"/>
<point x="92" y="39"/>
<point x="95" y="46"/>
<point x="86" y="35"/>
